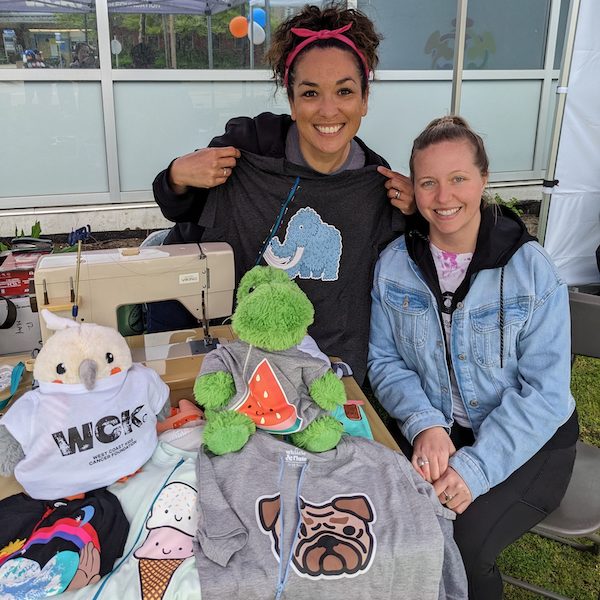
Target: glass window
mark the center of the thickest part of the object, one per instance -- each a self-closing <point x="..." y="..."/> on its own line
<point x="506" y="35"/>
<point x="500" y="35"/>
<point x="413" y="104"/>
<point x="509" y="134"/>
<point x="562" y="28"/>
<point x="417" y="35"/>
<point x="48" y="34"/>
<point x="191" y="113"/>
<point x="52" y="138"/>
<point x="192" y="34"/>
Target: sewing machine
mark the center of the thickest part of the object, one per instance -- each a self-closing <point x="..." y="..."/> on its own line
<point x="199" y="276"/>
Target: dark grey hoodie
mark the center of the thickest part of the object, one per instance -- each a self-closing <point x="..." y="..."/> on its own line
<point x="348" y="212"/>
<point x="327" y="239"/>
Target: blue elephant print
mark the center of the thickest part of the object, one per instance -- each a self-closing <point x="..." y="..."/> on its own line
<point x="311" y="250"/>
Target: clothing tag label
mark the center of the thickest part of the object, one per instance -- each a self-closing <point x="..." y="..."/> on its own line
<point x="296" y="457"/>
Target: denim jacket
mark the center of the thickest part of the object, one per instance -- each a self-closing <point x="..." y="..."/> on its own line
<point x="514" y="405"/>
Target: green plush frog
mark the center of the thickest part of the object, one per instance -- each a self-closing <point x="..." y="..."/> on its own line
<point x="264" y="379"/>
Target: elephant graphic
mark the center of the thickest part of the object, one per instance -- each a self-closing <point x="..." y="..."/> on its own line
<point x="311" y="250"/>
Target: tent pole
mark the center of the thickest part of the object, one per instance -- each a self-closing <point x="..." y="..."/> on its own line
<point x="459" y="55"/>
<point x="559" y="111"/>
<point x="250" y="35"/>
<point x="268" y="23"/>
<point x="165" y="39"/>
<point x="172" y="42"/>
<point x="209" y="40"/>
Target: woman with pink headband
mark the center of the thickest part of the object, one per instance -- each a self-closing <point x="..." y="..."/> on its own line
<point x="300" y="192"/>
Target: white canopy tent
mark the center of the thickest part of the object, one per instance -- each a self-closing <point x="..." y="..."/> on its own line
<point x="572" y="230"/>
<point x="197" y="7"/>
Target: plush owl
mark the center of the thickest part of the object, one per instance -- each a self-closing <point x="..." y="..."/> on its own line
<point x="264" y="380"/>
<point x="91" y="420"/>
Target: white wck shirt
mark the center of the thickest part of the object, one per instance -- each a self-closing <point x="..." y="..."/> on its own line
<point x="76" y="440"/>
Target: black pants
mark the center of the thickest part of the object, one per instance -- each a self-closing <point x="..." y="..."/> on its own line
<point x="496" y="519"/>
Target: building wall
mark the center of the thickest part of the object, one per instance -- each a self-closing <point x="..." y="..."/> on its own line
<point x="86" y="143"/>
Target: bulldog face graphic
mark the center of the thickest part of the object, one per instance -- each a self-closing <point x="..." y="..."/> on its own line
<point x="335" y="538"/>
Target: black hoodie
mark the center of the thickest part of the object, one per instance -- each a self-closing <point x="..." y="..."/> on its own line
<point x="264" y="135"/>
<point x="501" y="234"/>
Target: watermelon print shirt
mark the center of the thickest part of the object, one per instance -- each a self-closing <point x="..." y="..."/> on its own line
<point x="272" y="387"/>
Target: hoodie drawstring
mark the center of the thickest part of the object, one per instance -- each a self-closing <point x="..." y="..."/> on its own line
<point x="283" y="209"/>
<point x="502" y="318"/>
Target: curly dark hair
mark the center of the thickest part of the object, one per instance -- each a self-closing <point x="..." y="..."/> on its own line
<point x="450" y="128"/>
<point x="333" y="16"/>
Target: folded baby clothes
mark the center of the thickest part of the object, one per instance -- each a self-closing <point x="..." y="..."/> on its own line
<point x="160" y="503"/>
<point x="49" y="547"/>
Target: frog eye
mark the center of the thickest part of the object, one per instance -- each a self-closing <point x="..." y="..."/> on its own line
<point x="251" y="289"/>
<point x="109" y="358"/>
<point x="60" y="368"/>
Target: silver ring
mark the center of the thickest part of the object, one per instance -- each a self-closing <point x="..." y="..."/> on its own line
<point x="224" y="171"/>
<point x="397" y="195"/>
<point x="447" y="497"/>
<point x="422" y="461"/>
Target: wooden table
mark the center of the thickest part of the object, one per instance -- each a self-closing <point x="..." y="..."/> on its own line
<point x="168" y="355"/>
<point x="9" y="485"/>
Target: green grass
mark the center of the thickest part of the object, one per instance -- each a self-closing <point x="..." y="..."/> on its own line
<point x="552" y="565"/>
<point x="543" y="562"/>
<point x="585" y="385"/>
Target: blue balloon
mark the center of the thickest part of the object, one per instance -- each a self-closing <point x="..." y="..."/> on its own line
<point x="259" y="16"/>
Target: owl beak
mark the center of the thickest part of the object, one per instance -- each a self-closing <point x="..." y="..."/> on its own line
<point x="88" y="370"/>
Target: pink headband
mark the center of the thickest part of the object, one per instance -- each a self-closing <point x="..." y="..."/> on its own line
<point x="325" y="34"/>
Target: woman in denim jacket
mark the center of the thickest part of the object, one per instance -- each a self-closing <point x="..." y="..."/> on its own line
<point x="470" y="353"/>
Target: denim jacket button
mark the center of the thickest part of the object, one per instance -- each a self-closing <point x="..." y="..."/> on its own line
<point x="444" y="390"/>
<point x="459" y="305"/>
<point x="461" y="357"/>
<point x="474" y="403"/>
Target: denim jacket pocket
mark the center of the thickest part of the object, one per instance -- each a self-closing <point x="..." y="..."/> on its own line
<point x="486" y="339"/>
<point x="411" y="315"/>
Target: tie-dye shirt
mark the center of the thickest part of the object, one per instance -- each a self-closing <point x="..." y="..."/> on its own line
<point x="451" y="269"/>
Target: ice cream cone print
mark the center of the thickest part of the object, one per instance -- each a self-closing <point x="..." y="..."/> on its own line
<point x="155" y="576"/>
<point x="169" y="542"/>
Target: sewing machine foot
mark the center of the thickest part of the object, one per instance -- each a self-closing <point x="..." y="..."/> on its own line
<point x="203" y="346"/>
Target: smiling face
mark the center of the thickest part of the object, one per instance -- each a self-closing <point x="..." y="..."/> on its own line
<point x="448" y="190"/>
<point x="327" y="105"/>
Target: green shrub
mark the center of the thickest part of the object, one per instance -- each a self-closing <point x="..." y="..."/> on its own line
<point x="511" y="203"/>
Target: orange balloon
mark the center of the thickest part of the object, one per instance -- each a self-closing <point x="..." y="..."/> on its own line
<point x="238" y="26"/>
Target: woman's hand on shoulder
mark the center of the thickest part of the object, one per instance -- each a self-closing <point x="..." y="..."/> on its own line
<point x="453" y="491"/>
<point x="204" y="168"/>
<point x="399" y="190"/>
<point x="432" y="449"/>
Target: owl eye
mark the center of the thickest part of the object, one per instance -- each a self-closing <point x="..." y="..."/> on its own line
<point x="109" y="358"/>
<point x="60" y="368"/>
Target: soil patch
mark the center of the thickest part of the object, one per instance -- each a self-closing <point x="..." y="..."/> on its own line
<point x="100" y="240"/>
<point x="129" y="238"/>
